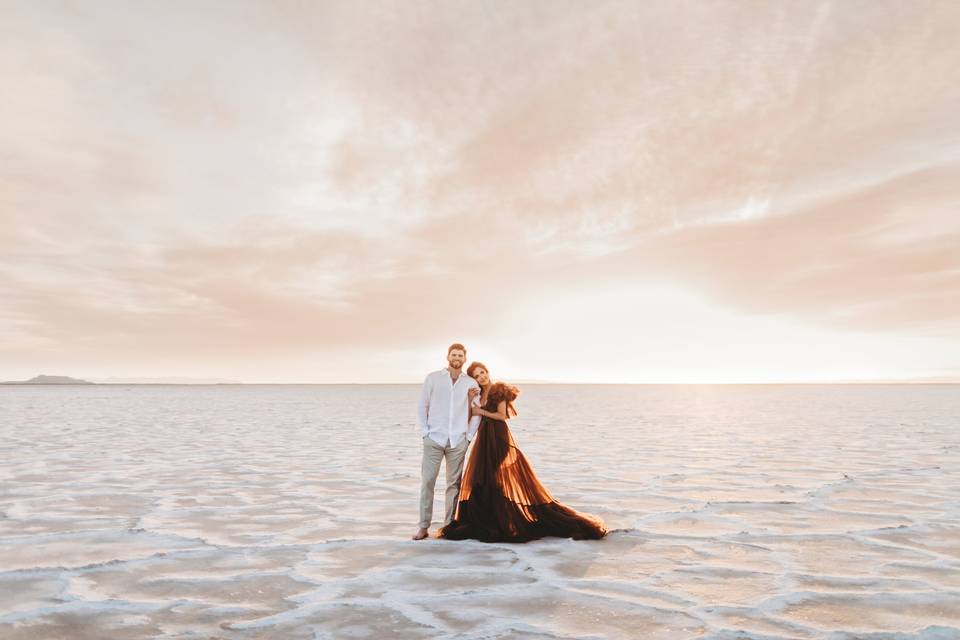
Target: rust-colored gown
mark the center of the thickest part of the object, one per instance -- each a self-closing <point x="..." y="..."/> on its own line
<point x="501" y="499"/>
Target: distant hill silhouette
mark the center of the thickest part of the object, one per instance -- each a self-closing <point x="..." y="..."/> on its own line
<point x="49" y="380"/>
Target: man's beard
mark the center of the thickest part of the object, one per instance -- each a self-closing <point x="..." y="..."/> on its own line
<point x="455" y="366"/>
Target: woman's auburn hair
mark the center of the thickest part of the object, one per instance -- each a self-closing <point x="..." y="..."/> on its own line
<point x="476" y="365"/>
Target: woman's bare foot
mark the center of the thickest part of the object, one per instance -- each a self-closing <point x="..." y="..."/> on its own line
<point x="421" y="534"/>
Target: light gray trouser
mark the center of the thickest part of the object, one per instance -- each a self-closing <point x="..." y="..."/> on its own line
<point x="433" y="453"/>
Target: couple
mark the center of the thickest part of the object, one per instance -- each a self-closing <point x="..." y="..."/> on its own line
<point x="499" y="498"/>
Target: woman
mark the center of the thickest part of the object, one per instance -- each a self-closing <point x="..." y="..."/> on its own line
<point x="501" y="499"/>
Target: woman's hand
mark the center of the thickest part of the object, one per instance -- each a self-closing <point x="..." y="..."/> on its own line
<point x="472" y="393"/>
<point x="475" y="410"/>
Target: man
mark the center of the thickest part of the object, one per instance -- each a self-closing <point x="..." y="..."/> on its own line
<point x="443" y="416"/>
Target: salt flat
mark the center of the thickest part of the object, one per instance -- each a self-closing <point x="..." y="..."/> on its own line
<point x="285" y="512"/>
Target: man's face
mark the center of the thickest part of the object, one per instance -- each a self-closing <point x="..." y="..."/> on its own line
<point x="456" y="358"/>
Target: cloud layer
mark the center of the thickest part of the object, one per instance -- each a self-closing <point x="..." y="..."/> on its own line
<point x="234" y="183"/>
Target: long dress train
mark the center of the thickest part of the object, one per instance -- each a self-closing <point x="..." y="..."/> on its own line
<point x="501" y="499"/>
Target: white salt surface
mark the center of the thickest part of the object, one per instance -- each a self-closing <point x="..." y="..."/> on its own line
<point x="285" y="512"/>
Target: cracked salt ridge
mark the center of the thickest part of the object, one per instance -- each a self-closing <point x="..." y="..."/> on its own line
<point x="239" y="514"/>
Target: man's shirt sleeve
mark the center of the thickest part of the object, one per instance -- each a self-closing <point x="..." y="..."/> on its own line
<point x="423" y="406"/>
<point x="474" y="423"/>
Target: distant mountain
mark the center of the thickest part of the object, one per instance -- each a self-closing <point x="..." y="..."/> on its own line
<point x="50" y="380"/>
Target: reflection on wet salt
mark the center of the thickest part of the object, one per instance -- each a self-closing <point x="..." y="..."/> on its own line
<point x="285" y="512"/>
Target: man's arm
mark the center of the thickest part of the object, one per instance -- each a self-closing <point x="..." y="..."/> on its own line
<point x="423" y="407"/>
<point x="474" y="423"/>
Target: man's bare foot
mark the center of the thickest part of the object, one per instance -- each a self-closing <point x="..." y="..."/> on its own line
<point x="421" y="535"/>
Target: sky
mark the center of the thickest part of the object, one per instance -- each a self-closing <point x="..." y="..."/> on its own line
<point x="655" y="192"/>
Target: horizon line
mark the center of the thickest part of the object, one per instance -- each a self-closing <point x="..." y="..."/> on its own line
<point x="918" y="381"/>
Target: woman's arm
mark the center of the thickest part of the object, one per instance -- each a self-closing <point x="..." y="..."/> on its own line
<point x="500" y="414"/>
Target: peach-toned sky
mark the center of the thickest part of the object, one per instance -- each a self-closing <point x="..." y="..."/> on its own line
<point x="579" y="191"/>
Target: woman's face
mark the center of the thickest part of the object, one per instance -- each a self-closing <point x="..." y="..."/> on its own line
<point x="481" y="376"/>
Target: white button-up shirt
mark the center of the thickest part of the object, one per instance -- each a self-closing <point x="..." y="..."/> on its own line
<point x="443" y="412"/>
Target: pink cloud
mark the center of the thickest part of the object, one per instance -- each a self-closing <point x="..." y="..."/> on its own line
<point x="291" y="177"/>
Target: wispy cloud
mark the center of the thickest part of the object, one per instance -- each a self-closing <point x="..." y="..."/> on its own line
<point x="237" y="180"/>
